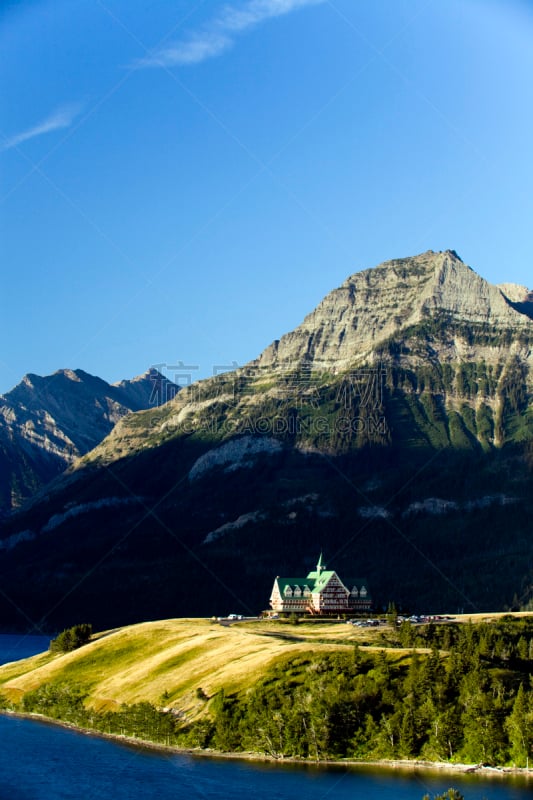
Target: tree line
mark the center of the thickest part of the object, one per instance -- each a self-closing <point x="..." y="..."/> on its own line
<point x="470" y="701"/>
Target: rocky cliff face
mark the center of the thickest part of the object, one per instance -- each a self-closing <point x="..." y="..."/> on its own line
<point x="385" y="302"/>
<point x="48" y="422"/>
<point x="456" y="349"/>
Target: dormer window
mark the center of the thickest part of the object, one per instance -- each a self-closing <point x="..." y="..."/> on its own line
<point x="320" y="591"/>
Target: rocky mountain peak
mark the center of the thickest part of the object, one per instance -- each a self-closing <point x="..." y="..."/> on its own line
<point x="71" y="374"/>
<point x="46" y="422"/>
<point x="519" y="298"/>
<point x="460" y="292"/>
<point x="375" y="304"/>
<point x="516" y="293"/>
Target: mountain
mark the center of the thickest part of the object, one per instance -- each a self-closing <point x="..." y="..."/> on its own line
<point x="392" y="301"/>
<point x="48" y="422"/>
<point x="392" y="429"/>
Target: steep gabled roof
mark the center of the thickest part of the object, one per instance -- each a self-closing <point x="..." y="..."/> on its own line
<point x="317" y="580"/>
<point x="322" y="580"/>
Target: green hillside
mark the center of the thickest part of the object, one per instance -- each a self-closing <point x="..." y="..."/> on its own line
<point x="454" y="691"/>
<point x="165" y="662"/>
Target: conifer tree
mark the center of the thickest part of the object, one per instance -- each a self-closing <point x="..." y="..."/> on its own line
<point x="519" y="725"/>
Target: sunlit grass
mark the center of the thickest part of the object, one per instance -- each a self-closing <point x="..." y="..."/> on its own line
<point x="166" y="662"/>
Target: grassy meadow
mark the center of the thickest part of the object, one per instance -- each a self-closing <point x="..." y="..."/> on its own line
<point x="165" y="662"/>
<point x="456" y="691"/>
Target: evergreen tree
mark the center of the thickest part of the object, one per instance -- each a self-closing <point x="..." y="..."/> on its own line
<point x="484" y="741"/>
<point x="71" y="638"/>
<point x="519" y="726"/>
<point x="226" y="735"/>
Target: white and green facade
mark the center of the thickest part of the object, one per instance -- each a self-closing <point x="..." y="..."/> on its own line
<point x="321" y="592"/>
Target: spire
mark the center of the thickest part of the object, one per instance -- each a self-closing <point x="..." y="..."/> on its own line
<point x="320" y="567"/>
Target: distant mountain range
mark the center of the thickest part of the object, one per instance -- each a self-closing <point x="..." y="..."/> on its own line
<point x="48" y="422"/>
<point x="392" y="429"/>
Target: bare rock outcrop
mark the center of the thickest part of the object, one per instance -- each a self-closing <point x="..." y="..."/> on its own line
<point x="376" y="304"/>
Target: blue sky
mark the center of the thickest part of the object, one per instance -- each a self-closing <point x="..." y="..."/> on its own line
<point x="185" y="180"/>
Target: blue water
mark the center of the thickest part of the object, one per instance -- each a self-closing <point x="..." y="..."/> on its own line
<point x="19" y="645"/>
<point x="40" y="761"/>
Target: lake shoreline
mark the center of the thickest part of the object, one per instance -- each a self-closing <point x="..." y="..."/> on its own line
<point x="441" y="767"/>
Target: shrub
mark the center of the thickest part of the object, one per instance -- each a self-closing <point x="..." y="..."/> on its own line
<point x="71" y="638"/>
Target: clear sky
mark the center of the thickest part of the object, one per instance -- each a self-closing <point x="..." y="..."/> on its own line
<point x="184" y="180"/>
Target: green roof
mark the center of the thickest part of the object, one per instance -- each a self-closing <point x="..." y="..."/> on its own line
<point x="317" y="583"/>
<point x="320" y="576"/>
<point x="301" y="582"/>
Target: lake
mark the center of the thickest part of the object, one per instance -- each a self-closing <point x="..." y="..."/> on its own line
<point x="19" y="645"/>
<point x="40" y="761"/>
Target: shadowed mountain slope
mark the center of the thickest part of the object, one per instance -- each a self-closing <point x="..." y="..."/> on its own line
<point x="392" y="429"/>
<point x="48" y="422"/>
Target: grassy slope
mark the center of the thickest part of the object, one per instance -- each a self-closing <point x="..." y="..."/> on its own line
<point x="165" y="662"/>
<point x="142" y="662"/>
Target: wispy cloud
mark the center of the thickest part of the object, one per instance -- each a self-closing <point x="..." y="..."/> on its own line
<point x="220" y="33"/>
<point x="60" y="118"/>
<point x="198" y="47"/>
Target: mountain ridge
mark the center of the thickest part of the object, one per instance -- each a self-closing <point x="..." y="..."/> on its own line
<point x="403" y="448"/>
<point x="429" y="282"/>
<point x="46" y="422"/>
<point x="436" y="330"/>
